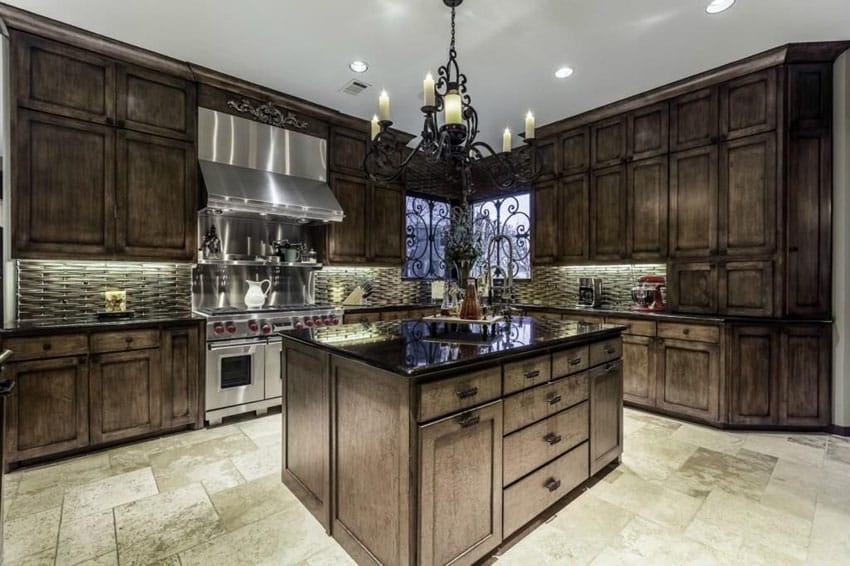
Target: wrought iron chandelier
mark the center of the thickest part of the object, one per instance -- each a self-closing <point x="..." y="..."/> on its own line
<point x="451" y="142"/>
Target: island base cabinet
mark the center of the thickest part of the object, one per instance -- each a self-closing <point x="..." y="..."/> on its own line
<point x="461" y="461"/>
<point x="606" y="414"/>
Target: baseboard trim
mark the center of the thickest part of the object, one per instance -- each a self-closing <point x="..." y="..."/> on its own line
<point x="839" y="430"/>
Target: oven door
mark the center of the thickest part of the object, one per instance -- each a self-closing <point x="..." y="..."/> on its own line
<point x="235" y="373"/>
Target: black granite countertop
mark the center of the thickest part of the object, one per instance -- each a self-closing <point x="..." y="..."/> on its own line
<point x="665" y="316"/>
<point x="89" y="323"/>
<point x="388" y="307"/>
<point x="416" y="348"/>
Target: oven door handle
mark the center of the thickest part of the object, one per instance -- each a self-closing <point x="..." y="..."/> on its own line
<point x="227" y="345"/>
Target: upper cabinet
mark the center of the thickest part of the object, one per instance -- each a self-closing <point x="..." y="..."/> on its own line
<point x="748" y="105"/>
<point x="649" y="132"/>
<point x="99" y="145"/>
<point x="693" y="119"/>
<point x="575" y="151"/>
<point x="348" y="151"/>
<point x="693" y="202"/>
<point x="608" y="142"/>
<point x="608" y="213"/>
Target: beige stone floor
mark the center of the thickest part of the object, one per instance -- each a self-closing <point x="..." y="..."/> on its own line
<point x="684" y="494"/>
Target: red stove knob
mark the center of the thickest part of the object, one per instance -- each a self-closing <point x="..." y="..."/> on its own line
<point x="253" y="326"/>
<point x="267" y="328"/>
<point x="299" y="326"/>
<point x="218" y="329"/>
<point x="335" y="321"/>
<point x="308" y="322"/>
<point x="318" y="321"/>
<point x="231" y="328"/>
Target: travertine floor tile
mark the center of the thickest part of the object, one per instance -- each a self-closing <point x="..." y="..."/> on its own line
<point x="746" y="473"/>
<point x="656" y="544"/>
<point x="107" y="493"/>
<point x="200" y="453"/>
<point x="800" y="448"/>
<point x="214" y="476"/>
<point x="110" y="559"/>
<point x="259" y="463"/>
<point x="85" y="538"/>
<point x="35" y="501"/>
<point x="250" y="502"/>
<point x="68" y="473"/>
<point x="713" y="439"/>
<point x="31" y="535"/>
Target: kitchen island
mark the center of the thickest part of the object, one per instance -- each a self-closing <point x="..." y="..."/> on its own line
<point x="417" y="442"/>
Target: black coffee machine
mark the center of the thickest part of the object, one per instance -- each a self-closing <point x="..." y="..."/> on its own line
<point x="589" y="292"/>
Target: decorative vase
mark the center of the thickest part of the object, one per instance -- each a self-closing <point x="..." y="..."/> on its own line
<point x="470" y="309"/>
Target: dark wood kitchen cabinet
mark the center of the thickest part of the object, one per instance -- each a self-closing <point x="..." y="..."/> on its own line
<point x="561" y="219"/>
<point x="647" y="186"/>
<point x="125" y="390"/>
<point x="693" y="202"/>
<point x="181" y="372"/>
<point x="388" y="224"/>
<point x="347" y="151"/>
<point x="48" y="410"/>
<point x="689" y="378"/>
<point x="608" y="213"/>
<point x="693" y="287"/>
<point x="575" y="151"/>
<point x="608" y="142"/>
<point x="753" y="375"/>
<point x="748" y="105"/>
<point x="649" y="132"/>
<point x="747" y="288"/>
<point x="805" y="363"/>
<point x="155" y="103"/>
<point x="461" y="460"/>
<point x="547" y="222"/>
<point x="156" y="181"/>
<point x="693" y="119"/>
<point x="639" y="370"/>
<point x="606" y="414"/>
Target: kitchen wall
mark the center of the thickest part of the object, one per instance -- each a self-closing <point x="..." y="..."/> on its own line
<point x="73" y="290"/>
<point x="841" y="243"/>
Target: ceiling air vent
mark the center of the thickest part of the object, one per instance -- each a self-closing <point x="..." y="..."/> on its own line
<point x="354" y="87"/>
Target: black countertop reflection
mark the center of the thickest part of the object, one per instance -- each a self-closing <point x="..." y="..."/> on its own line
<point x="417" y="348"/>
<point x="84" y="323"/>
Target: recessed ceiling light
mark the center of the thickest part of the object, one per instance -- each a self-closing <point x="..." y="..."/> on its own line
<point x="717" y="6"/>
<point x="564" y="72"/>
<point x="359" y="66"/>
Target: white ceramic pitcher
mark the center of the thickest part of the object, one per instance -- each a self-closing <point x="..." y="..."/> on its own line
<point x="256" y="296"/>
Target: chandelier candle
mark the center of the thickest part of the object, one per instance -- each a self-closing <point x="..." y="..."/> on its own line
<point x="376" y="127"/>
<point x="506" y="140"/>
<point x="430" y="94"/>
<point x="384" y="106"/>
<point x="529" y="126"/>
<point x="454" y="108"/>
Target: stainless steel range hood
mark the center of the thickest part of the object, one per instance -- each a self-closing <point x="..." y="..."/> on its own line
<point x="249" y="167"/>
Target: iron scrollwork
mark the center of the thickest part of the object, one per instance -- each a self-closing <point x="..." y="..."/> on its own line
<point x="268" y="114"/>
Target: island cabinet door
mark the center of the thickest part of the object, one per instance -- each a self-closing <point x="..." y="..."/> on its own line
<point x="460" y="487"/>
<point x="606" y="415"/>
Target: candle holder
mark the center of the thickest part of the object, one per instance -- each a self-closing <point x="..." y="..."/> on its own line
<point x="457" y="132"/>
<point x="429" y="109"/>
<point x="385" y="124"/>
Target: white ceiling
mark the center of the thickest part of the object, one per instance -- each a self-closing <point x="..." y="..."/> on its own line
<point x="509" y="49"/>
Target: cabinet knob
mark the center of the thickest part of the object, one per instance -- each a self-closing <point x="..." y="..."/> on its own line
<point x="552" y="484"/>
<point x="611" y="368"/>
<point x="554" y="400"/>
<point x="686" y="331"/>
<point x="532" y="374"/>
<point x="575" y="361"/>
<point x="794" y="249"/>
<point x="467" y="421"/>
<point x="46" y="346"/>
<point x="129" y="339"/>
<point x="552" y="438"/>
<point x="467" y="393"/>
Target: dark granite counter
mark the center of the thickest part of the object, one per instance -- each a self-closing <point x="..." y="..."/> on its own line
<point x="91" y="323"/>
<point x="662" y="316"/>
<point x="416" y="348"/>
<point x="388" y="307"/>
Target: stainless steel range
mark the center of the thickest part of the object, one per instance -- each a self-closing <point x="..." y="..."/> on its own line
<point x="243" y="354"/>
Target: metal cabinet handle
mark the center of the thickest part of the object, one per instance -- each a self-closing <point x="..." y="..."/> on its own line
<point x="129" y="339"/>
<point x="46" y="346"/>
<point x="611" y="368"/>
<point x="575" y="361"/>
<point x="686" y="331"/>
<point x="467" y="393"/>
<point x="553" y="438"/>
<point x="610" y="350"/>
<point x="6" y="386"/>
<point x="467" y="421"/>
<point x="532" y="374"/>
<point x="555" y="399"/>
<point x="552" y="484"/>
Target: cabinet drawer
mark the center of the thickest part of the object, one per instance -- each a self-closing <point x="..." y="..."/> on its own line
<point x="529" y="497"/>
<point x="606" y="351"/>
<point x="453" y="395"/>
<point x="531" y="447"/>
<point x="47" y="346"/>
<point x="695" y="332"/>
<point x="527" y="373"/>
<point x="121" y="341"/>
<point x="536" y="404"/>
<point x="634" y="326"/>
<point x="570" y="361"/>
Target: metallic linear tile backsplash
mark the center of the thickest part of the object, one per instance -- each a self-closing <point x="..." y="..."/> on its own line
<point x="333" y="284"/>
<point x="74" y="289"/>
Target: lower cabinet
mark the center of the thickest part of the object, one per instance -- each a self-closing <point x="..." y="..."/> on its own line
<point x="125" y="392"/>
<point x="639" y="370"/>
<point x="753" y="375"/>
<point x="689" y="378"/>
<point x="181" y="352"/>
<point x="606" y="414"/>
<point x="461" y="461"/>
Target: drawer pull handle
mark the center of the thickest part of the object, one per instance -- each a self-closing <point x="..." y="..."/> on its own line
<point x="552" y="484"/>
<point x="610" y="350"/>
<point x="575" y="361"/>
<point x="129" y="339"/>
<point x="46" y="346"/>
<point x="555" y="399"/>
<point x="467" y="393"/>
<point x="686" y="331"/>
<point x="553" y="438"/>
<point x="532" y="374"/>
<point x="611" y="368"/>
<point x="467" y="421"/>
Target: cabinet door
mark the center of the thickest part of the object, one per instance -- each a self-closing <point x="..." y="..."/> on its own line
<point x="689" y="378"/>
<point x="606" y="415"/>
<point x="693" y="288"/>
<point x="806" y="370"/>
<point x="649" y="132"/>
<point x="647" y="205"/>
<point x="753" y="375"/>
<point x="608" y="142"/>
<point x="47" y="412"/>
<point x="60" y="79"/>
<point x="63" y="187"/>
<point x="156" y="103"/>
<point x="347" y="151"/>
<point x="748" y="195"/>
<point x="575" y="151"/>
<point x="574" y="218"/>
<point x="157" y="183"/>
<point x="546" y="225"/>
<point x="639" y="370"/>
<point x="126" y="395"/>
<point x="693" y="203"/>
<point x="348" y="239"/>
<point x="181" y="365"/>
<point x="460" y="459"/>
<point x="693" y="120"/>
<point x="388" y="225"/>
<point x="546" y="158"/>
<point x="810" y="97"/>
<point x="748" y="105"/>
<point x="747" y="288"/>
<point x="608" y="211"/>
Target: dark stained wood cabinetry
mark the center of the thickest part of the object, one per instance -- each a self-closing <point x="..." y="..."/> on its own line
<point x="387" y="227"/>
<point x="608" y="142"/>
<point x="608" y="213"/>
<point x="693" y="287"/>
<point x="547" y="222"/>
<point x="606" y="414"/>
<point x="348" y="240"/>
<point x="746" y="288"/>
<point x="689" y="378"/>
<point x="754" y="375"/>
<point x="693" y="202"/>
<point x="805" y="368"/>
<point x="748" y="105"/>
<point x="561" y="219"/>
<point x="639" y="370"/>
<point x="181" y="376"/>
<point x="348" y="151"/>
<point x="646" y="221"/>
<point x="649" y="132"/>
<point x="693" y="119"/>
<point x="575" y="151"/>
<point x="155" y="103"/>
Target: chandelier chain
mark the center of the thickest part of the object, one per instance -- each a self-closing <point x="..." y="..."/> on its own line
<point x="453" y="30"/>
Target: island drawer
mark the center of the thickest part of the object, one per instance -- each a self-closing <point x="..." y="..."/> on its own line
<point x="126" y="340"/>
<point x="545" y="400"/>
<point x="453" y="395"/>
<point x="606" y="351"/>
<point x="41" y="347"/>
<point x="527" y="373"/>
<point x="532" y="447"/>
<point x="634" y="326"/>
<point x="530" y="496"/>
<point x="694" y="332"/>
<point x="570" y="361"/>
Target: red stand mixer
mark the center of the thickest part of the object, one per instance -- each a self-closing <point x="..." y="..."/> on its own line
<point x="649" y="294"/>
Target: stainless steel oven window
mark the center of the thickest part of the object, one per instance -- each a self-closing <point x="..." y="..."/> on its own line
<point x="236" y="371"/>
